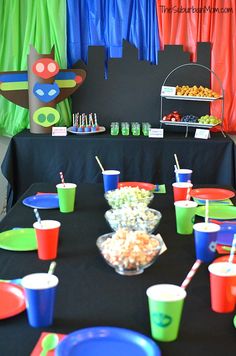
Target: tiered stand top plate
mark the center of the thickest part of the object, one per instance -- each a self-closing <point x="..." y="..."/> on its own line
<point x="188" y="97"/>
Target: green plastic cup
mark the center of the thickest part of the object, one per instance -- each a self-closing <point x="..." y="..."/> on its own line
<point x="115" y="128"/>
<point x="66" y="195"/>
<point x="135" y="128"/>
<point x="185" y="215"/>
<point x="165" y="307"/>
<point x="125" y="128"/>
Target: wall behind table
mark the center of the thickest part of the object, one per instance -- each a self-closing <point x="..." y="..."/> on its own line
<point x="132" y="90"/>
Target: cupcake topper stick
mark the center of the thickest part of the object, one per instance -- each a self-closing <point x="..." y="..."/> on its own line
<point x="95" y="119"/>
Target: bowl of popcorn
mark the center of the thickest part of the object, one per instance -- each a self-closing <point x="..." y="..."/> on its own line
<point x="133" y="218"/>
<point x="129" y="252"/>
<point x="128" y="196"/>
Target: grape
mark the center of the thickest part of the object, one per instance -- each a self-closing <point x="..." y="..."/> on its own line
<point x="190" y="118"/>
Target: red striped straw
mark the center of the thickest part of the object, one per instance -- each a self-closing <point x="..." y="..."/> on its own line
<point x="62" y="178"/>
<point x="188" y="197"/>
<point x="191" y="273"/>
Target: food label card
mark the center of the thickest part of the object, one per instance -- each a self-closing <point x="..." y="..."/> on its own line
<point x="168" y="91"/>
<point x="59" y="131"/>
<point x="164" y="248"/>
<point x="156" y="133"/>
<point x="202" y="133"/>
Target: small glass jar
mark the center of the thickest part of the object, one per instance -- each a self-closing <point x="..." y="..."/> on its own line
<point x="125" y="128"/>
<point x="145" y="128"/>
<point x="115" y="128"/>
<point x="135" y="128"/>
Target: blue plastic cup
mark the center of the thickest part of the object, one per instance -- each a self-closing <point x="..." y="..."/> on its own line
<point x="205" y="235"/>
<point x="110" y="179"/>
<point x="183" y="175"/>
<point x="40" y="290"/>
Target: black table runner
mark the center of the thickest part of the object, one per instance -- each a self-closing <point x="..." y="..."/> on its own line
<point x="34" y="158"/>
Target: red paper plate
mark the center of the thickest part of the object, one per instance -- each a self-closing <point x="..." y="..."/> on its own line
<point x="224" y="259"/>
<point x="141" y="185"/>
<point x="212" y="193"/>
<point x="12" y="300"/>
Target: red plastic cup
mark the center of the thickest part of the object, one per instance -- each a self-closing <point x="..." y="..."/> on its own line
<point x="223" y="287"/>
<point x="180" y="190"/>
<point x="47" y="234"/>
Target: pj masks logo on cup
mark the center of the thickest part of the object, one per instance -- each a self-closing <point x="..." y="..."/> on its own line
<point x="162" y="320"/>
<point x="212" y="246"/>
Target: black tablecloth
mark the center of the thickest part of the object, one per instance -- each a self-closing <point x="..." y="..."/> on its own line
<point x="34" y="158"/>
<point x="90" y="293"/>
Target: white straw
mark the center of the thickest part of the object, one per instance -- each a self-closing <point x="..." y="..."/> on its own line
<point x="52" y="267"/>
<point x="100" y="165"/>
<point x="176" y="161"/>
<point x="232" y="251"/>
<point x="206" y="211"/>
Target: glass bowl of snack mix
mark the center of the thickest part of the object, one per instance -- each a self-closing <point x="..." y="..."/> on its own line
<point x="128" y="196"/>
<point x="129" y="252"/>
<point x="133" y="218"/>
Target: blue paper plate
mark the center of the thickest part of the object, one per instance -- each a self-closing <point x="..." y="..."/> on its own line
<point x="42" y="201"/>
<point x="107" y="341"/>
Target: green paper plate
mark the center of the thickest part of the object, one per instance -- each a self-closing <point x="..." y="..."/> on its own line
<point x="218" y="212"/>
<point x="18" y="240"/>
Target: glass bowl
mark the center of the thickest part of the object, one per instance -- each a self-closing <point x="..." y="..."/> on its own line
<point x="142" y="218"/>
<point x="129" y="252"/>
<point x="128" y="196"/>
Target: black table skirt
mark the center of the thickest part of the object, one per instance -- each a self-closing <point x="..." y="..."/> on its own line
<point x="34" y="158"/>
<point x="90" y="293"/>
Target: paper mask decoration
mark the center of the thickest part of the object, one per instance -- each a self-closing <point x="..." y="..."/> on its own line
<point x="45" y="68"/>
<point x="46" y="92"/>
<point x="40" y="88"/>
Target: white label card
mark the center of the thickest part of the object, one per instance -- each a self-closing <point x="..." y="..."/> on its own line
<point x="168" y="91"/>
<point x="156" y="133"/>
<point x="164" y="248"/>
<point x="59" y="131"/>
<point x="202" y="133"/>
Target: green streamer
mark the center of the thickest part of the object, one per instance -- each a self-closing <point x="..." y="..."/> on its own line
<point x="41" y="23"/>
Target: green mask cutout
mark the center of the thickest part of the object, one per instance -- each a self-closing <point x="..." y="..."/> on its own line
<point x="46" y="116"/>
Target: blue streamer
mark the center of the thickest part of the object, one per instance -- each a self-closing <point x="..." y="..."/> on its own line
<point x="107" y="23"/>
